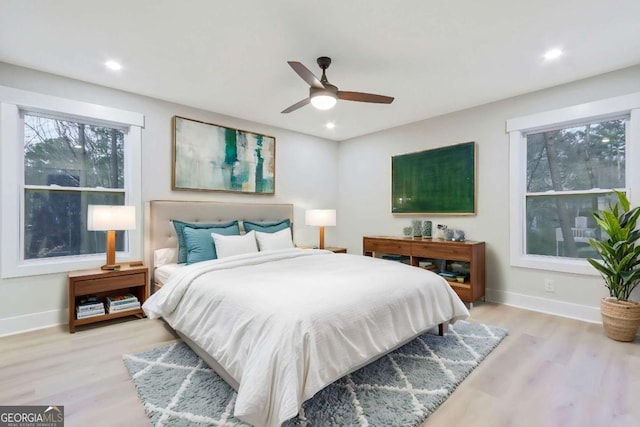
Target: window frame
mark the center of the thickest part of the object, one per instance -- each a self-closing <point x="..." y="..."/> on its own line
<point x="12" y="103"/>
<point x="518" y="128"/>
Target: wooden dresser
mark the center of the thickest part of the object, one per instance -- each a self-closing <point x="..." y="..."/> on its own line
<point x="419" y="249"/>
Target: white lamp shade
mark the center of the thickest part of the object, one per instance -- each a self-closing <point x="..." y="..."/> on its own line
<point x="320" y="217"/>
<point x="107" y="218"/>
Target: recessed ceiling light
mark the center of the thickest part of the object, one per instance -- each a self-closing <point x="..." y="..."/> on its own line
<point x="552" y="54"/>
<point x="113" y="65"/>
<point x="330" y="125"/>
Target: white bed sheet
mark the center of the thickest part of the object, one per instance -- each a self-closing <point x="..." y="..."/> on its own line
<point x="163" y="273"/>
<point x="285" y="324"/>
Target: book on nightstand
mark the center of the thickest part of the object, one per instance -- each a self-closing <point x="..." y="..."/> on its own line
<point x="123" y="307"/>
<point x="90" y="312"/>
<point x="118" y="303"/>
<point x="121" y="300"/>
<point x="89" y="307"/>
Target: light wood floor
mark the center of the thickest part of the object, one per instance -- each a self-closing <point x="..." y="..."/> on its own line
<point x="549" y="371"/>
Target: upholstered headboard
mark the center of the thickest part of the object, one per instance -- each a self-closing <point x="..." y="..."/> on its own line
<point x="159" y="231"/>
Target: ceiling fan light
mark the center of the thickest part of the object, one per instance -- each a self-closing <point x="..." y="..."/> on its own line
<point x="324" y="101"/>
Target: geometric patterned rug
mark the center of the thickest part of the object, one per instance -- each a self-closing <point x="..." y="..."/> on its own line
<point x="400" y="389"/>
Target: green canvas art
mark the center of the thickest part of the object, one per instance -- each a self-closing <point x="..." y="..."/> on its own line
<point x="439" y="181"/>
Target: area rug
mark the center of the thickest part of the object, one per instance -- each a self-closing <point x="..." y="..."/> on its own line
<point x="400" y="389"/>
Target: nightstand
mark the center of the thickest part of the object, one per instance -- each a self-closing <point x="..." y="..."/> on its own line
<point x="102" y="283"/>
<point x="336" y="250"/>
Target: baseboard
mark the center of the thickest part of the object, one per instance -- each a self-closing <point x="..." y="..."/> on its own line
<point x="559" y="308"/>
<point x="32" y="322"/>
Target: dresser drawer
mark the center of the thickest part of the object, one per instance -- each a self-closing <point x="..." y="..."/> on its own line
<point x="88" y="287"/>
<point x="388" y="247"/>
<point x="443" y="251"/>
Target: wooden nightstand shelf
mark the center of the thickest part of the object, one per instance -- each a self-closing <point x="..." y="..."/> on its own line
<point x="103" y="283"/>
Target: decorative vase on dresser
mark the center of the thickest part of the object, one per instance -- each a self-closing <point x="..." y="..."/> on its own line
<point x="427" y="229"/>
<point x="417" y="227"/>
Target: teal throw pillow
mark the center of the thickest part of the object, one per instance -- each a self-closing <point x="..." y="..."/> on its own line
<point x="266" y="226"/>
<point x="200" y="245"/>
<point x="180" y="225"/>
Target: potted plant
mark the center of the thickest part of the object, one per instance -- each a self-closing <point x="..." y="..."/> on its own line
<point x="619" y="266"/>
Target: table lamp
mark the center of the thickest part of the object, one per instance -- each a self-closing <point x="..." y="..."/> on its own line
<point x="321" y="218"/>
<point x="111" y="218"/>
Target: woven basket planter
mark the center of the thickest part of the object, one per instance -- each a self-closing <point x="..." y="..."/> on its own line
<point x="620" y="319"/>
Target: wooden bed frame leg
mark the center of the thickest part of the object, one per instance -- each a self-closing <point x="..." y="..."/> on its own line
<point x="441" y="329"/>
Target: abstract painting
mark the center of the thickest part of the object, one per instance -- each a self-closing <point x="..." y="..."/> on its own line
<point x="209" y="157"/>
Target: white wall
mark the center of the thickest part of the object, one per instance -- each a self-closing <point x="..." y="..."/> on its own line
<point x="306" y="175"/>
<point x="365" y="189"/>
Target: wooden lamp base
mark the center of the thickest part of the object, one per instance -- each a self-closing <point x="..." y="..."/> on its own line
<point x="321" y="238"/>
<point x="111" y="252"/>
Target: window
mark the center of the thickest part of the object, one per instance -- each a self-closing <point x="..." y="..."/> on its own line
<point x="67" y="166"/>
<point x="571" y="172"/>
<point x="565" y="164"/>
<point x="58" y="157"/>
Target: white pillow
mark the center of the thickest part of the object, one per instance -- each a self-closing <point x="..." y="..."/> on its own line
<point x="165" y="256"/>
<point x="274" y="241"/>
<point x="235" y="245"/>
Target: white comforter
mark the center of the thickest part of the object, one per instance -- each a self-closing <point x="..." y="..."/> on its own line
<point x="285" y="324"/>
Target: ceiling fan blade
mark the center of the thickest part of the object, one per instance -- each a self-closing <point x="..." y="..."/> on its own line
<point x="364" y="97"/>
<point x="297" y="105"/>
<point x="306" y="75"/>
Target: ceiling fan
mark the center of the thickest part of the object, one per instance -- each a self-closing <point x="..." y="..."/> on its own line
<point x="323" y="95"/>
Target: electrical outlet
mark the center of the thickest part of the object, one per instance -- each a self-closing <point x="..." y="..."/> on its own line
<point x="549" y="286"/>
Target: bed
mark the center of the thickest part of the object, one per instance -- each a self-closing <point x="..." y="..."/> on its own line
<point x="280" y="325"/>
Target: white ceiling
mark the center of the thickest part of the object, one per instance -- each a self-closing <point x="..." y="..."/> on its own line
<point x="231" y="57"/>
